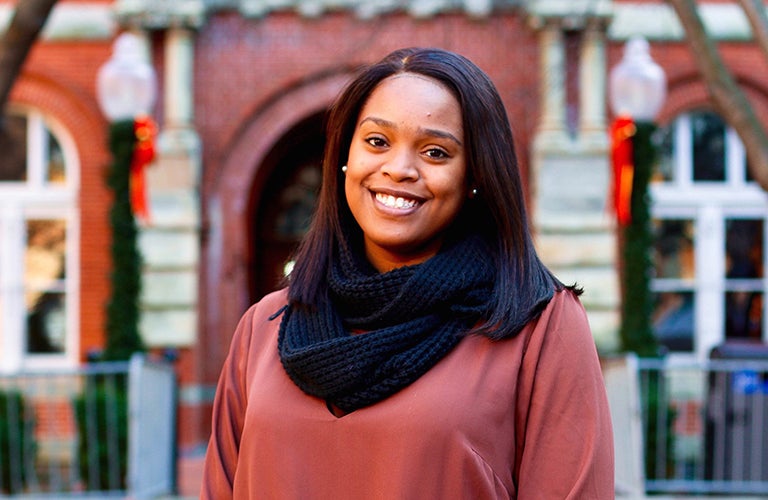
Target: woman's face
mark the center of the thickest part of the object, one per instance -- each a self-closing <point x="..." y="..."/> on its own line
<point x="406" y="177"/>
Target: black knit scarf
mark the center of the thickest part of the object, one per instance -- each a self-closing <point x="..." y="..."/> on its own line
<point x="410" y="318"/>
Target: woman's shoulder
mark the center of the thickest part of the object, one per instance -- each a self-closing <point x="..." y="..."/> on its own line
<point x="277" y="299"/>
<point x="268" y="308"/>
<point x="564" y="319"/>
<point x="259" y="322"/>
<point x="566" y="300"/>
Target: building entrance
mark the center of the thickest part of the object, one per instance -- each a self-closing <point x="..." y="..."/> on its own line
<point x="283" y="206"/>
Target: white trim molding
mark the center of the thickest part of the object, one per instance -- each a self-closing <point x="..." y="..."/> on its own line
<point x="659" y="22"/>
<point x="71" y="21"/>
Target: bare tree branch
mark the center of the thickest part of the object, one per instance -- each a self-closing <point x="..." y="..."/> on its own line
<point x="23" y="30"/>
<point x="758" y="20"/>
<point x="728" y="97"/>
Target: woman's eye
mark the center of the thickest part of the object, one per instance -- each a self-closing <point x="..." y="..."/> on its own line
<point x="376" y="142"/>
<point x="436" y="153"/>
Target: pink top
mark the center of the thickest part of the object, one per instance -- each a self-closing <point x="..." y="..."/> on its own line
<point x="521" y="418"/>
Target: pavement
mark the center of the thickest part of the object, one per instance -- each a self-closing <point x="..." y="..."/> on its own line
<point x="189" y="473"/>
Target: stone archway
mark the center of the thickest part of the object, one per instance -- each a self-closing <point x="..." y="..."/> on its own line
<point x="226" y="249"/>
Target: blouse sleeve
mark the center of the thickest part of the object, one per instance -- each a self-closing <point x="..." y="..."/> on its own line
<point x="564" y="432"/>
<point x="228" y="415"/>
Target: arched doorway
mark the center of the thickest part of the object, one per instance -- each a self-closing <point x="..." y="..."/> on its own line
<point x="281" y="209"/>
<point x="266" y="151"/>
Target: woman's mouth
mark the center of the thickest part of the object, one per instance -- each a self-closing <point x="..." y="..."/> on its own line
<point x="397" y="202"/>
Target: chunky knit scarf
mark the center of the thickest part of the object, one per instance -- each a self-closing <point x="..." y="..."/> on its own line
<point x="382" y="331"/>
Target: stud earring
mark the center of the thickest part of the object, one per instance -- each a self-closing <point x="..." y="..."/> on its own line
<point x="473" y="193"/>
<point x="344" y="169"/>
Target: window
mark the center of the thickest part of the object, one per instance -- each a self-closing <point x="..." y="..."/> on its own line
<point x="744" y="287"/>
<point x="709" y="236"/>
<point x="674" y="284"/>
<point x="38" y="243"/>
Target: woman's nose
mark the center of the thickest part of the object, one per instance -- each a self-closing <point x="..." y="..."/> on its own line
<point x="401" y="166"/>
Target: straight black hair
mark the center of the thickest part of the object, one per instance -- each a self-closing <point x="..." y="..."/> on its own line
<point x="498" y="213"/>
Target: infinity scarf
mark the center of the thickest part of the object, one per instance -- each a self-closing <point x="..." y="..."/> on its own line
<point x="382" y="331"/>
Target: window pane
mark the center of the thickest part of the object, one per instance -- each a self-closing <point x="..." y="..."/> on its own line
<point x="673" y="248"/>
<point x="744" y="273"/>
<point x="673" y="320"/>
<point x="708" y="133"/>
<point x="13" y="147"/>
<point x="744" y="248"/>
<point x="55" y="161"/>
<point x="44" y="274"/>
<point x="46" y="324"/>
<point x="743" y="315"/>
<point x="665" y="168"/>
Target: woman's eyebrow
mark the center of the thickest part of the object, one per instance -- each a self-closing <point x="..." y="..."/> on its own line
<point x="428" y="131"/>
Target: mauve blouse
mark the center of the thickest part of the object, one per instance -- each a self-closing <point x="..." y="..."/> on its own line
<point x="523" y="418"/>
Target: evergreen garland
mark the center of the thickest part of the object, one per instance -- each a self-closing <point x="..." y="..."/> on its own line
<point x="123" y="308"/>
<point x="636" y="332"/>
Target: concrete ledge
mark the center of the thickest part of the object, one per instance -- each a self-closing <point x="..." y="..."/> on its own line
<point x="169" y="249"/>
<point x="174" y="209"/>
<point x="577" y="249"/>
<point x="168" y="328"/>
<point x="601" y="287"/>
<point x="169" y="288"/>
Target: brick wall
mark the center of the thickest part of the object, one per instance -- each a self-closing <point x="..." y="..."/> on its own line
<point x="242" y="66"/>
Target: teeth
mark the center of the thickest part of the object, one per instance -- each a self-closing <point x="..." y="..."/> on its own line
<point x="393" y="202"/>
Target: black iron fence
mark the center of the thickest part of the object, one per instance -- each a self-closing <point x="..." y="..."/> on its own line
<point x="690" y="427"/>
<point x="104" y="429"/>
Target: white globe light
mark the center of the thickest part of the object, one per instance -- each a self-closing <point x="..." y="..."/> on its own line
<point x="126" y="83"/>
<point x="637" y="84"/>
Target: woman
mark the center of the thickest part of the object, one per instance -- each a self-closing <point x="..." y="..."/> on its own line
<point x="421" y="350"/>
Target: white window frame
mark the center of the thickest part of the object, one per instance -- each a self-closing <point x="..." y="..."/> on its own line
<point x="709" y="204"/>
<point x="34" y="199"/>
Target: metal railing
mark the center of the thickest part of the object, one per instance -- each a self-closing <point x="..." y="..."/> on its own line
<point x="705" y="426"/>
<point x="103" y="429"/>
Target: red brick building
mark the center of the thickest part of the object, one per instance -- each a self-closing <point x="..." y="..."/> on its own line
<point x="243" y="88"/>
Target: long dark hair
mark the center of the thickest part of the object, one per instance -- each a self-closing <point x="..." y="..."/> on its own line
<point x="523" y="285"/>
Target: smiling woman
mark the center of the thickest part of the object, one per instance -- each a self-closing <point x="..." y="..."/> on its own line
<point x="420" y="349"/>
<point x="406" y="177"/>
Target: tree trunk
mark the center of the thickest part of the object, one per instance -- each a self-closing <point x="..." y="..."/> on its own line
<point x="729" y="99"/>
<point x="23" y="30"/>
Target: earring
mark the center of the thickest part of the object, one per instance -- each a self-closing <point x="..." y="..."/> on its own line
<point x="473" y="193"/>
<point x="344" y="169"/>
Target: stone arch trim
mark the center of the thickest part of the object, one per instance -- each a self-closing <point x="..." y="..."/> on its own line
<point x="79" y="116"/>
<point x="688" y="91"/>
<point x="226" y="207"/>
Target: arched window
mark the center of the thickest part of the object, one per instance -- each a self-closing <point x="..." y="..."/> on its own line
<point x="710" y="226"/>
<point x="38" y="242"/>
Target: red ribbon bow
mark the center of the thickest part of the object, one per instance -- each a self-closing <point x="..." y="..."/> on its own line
<point x="143" y="154"/>
<point x="622" y="131"/>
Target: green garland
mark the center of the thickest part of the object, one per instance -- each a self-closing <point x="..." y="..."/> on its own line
<point x="122" y="330"/>
<point x="636" y="332"/>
